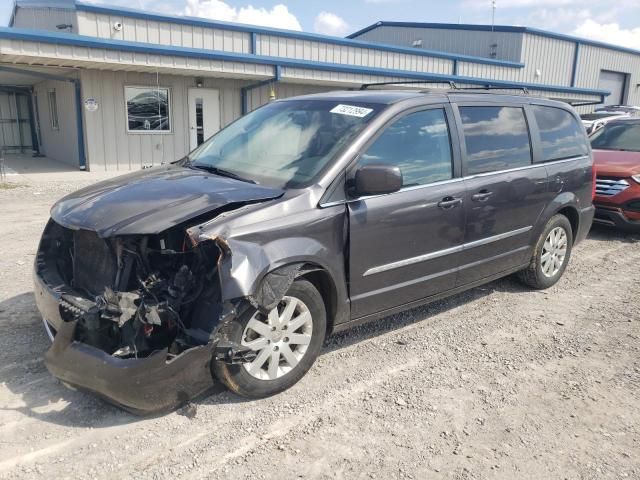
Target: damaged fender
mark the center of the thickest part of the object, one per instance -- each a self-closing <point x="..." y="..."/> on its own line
<point x="262" y="252"/>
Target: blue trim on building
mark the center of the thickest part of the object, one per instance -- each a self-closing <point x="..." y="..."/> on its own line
<point x="82" y="159"/>
<point x="253" y="49"/>
<point x="122" y="45"/>
<point x="312" y="37"/>
<point x="496" y="28"/>
<point x="574" y="68"/>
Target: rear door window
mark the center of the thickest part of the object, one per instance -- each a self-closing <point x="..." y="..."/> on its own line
<point x="496" y="138"/>
<point x="419" y="144"/>
<point x="561" y="134"/>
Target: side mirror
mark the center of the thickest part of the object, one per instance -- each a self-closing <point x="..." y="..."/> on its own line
<point x="377" y="179"/>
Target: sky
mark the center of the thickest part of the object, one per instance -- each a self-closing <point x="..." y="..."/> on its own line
<point x="612" y="21"/>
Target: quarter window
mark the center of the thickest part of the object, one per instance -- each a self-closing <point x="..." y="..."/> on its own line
<point x="560" y="133"/>
<point x="147" y="109"/>
<point x="497" y="138"/>
<point x="419" y="144"/>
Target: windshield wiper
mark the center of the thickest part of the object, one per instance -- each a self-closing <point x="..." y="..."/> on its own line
<point x="221" y="172"/>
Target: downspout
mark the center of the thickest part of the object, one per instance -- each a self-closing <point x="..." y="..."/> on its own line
<point x="244" y="91"/>
<point x="82" y="159"/>
<point x="574" y="69"/>
<point x="35" y="141"/>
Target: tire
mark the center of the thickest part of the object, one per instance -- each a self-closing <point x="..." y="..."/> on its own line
<point x="540" y="273"/>
<point x="259" y="379"/>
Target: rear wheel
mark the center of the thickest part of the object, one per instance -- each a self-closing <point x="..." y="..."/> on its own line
<point x="286" y="341"/>
<point x="551" y="254"/>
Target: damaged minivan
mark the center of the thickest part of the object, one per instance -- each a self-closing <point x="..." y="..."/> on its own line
<point x="307" y="216"/>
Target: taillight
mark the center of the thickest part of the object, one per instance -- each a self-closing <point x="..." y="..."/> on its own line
<point x="593" y="184"/>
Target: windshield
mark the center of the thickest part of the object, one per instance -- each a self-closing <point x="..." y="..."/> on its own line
<point x="284" y="144"/>
<point x="617" y="136"/>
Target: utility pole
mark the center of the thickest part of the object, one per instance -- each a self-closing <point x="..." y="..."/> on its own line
<point x="493" y="13"/>
<point x="493" y="52"/>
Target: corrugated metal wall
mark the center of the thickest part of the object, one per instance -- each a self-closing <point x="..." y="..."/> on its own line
<point x="110" y="147"/>
<point x="108" y="144"/>
<point x="165" y="33"/>
<point x="593" y="59"/>
<point x="61" y="144"/>
<point x="260" y="96"/>
<point x="17" y="50"/>
<point x="464" y="42"/>
<point x="275" y="46"/>
<point x="162" y="33"/>
<point x="551" y="58"/>
<point x="45" y="18"/>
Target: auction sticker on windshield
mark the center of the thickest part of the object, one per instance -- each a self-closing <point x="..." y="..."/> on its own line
<point x="351" y="110"/>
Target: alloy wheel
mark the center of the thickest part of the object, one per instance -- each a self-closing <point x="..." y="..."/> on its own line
<point x="280" y="340"/>
<point x="554" y="252"/>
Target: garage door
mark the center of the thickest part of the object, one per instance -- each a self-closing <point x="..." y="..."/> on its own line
<point x="615" y="83"/>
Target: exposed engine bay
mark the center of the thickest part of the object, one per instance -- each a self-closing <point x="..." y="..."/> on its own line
<point x="134" y="295"/>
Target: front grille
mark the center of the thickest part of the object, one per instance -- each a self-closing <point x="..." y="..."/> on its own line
<point x="610" y="186"/>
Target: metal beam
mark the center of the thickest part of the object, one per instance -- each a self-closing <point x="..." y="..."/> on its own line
<point x="576" y="55"/>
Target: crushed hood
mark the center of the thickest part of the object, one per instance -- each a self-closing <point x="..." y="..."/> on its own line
<point x="152" y="200"/>
<point x="616" y="163"/>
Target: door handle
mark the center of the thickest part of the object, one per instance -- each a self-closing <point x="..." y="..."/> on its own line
<point x="449" y="202"/>
<point x="481" y="196"/>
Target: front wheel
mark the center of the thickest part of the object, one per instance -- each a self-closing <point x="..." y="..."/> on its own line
<point x="550" y="255"/>
<point x="286" y="341"/>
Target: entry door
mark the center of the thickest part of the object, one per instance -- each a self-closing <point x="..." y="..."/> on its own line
<point x="406" y="245"/>
<point x="505" y="191"/>
<point x="204" y="114"/>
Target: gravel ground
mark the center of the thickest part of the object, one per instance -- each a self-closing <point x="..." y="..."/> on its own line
<point x="498" y="382"/>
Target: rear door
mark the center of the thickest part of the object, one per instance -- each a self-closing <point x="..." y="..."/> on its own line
<point x="505" y="191"/>
<point x="406" y="245"/>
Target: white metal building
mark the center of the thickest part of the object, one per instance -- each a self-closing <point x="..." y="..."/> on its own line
<point x="112" y="88"/>
<point x="549" y="57"/>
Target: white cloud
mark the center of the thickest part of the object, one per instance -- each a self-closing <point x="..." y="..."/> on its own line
<point x="609" y="33"/>
<point x="557" y="18"/>
<point x="278" y="17"/>
<point x="330" y="24"/>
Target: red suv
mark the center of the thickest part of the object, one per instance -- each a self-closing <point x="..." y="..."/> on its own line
<point x="616" y="153"/>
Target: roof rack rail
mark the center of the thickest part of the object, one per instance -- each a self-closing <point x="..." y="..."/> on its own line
<point x="524" y="90"/>
<point x="365" y="86"/>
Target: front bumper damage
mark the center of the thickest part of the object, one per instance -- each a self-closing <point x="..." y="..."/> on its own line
<point x="139" y="385"/>
<point x="146" y="385"/>
<point x="146" y="349"/>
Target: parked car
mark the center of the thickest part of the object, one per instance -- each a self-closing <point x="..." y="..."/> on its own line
<point x="616" y="151"/>
<point x="595" y="121"/>
<point x="305" y="217"/>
